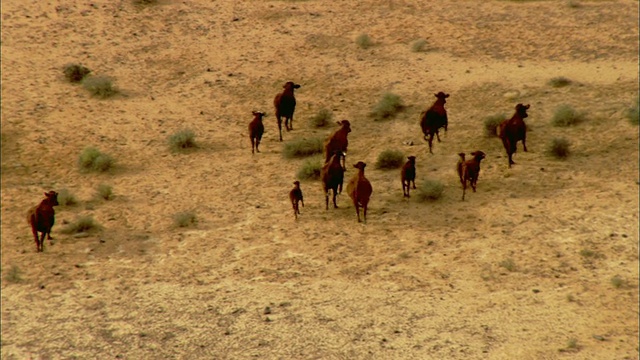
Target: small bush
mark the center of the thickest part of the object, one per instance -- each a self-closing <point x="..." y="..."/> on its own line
<point x="104" y="191"/>
<point x="82" y="224"/>
<point x="559" y="148"/>
<point x="419" y="45"/>
<point x="429" y="190"/>
<point x="565" y="116"/>
<point x="574" y="4"/>
<point x="633" y="114"/>
<point x="65" y="198"/>
<point x="14" y="275"/>
<point x="302" y="147"/>
<point x="75" y="72"/>
<point x="491" y="124"/>
<point x="364" y="41"/>
<point x="182" y="140"/>
<point x="559" y="81"/>
<point x="310" y="169"/>
<point x="387" y="107"/>
<point x="184" y="219"/>
<point x="617" y="282"/>
<point x="91" y="159"/>
<point x="145" y="2"/>
<point x="390" y="159"/>
<point x="100" y="86"/>
<point x="322" y="118"/>
<point x="508" y="264"/>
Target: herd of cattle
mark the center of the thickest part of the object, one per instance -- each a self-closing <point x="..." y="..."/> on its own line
<point x="42" y="217"/>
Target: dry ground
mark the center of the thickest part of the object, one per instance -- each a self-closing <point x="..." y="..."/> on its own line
<point x="521" y="270"/>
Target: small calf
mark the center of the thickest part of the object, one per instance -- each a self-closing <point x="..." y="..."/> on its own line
<point x="41" y="218"/>
<point x="360" y="190"/>
<point x="295" y="195"/>
<point x="256" y="129"/>
<point x="408" y="175"/>
<point x="285" y="104"/>
<point x="469" y="170"/>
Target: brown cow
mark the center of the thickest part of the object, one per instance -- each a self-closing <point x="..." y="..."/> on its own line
<point x="285" y="104"/>
<point x="434" y="118"/>
<point x="514" y="130"/>
<point x="360" y="190"/>
<point x="41" y="218"/>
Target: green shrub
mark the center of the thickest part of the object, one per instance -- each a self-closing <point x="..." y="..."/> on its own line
<point x="75" y="72"/>
<point x="100" y="86"/>
<point x="184" y="219"/>
<point x="91" y="159"/>
<point x="419" y="45"/>
<point x="566" y="115"/>
<point x="429" y="190"/>
<point x="14" y="275"/>
<point x="633" y="114"/>
<point x="390" y="159"/>
<point x="65" y="198"/>
<point x="559" y="81"/>
<point x="82" y="224"/>
<point x="491" y="124"/>
<point x="574" y="4"/>
<point x="145" y="2"/>
<point x="559" y="148"/>
<point x="105" y="192"/>
<point x="310" y="169"/>
<point x="182" y="140"/>
<point x="617" y="281"/>
<point x="364" y="41"/>
<point x="508" y="264"/>
<point x="302" y="147"/>
<point x="322" y="118"/>
<point x="387" y="107"/>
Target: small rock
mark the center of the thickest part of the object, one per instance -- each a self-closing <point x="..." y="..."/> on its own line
<point x="81" y="235"/>
<point x="598" y="337"/>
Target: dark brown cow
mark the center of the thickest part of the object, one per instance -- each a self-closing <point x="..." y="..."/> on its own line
<point x="514" y="130"/>
<point x="295" y="195"/>
<point x="41" y="218"/>
<point x="434" y="118"/>
<point x="256" y="129"/>
<point x="338" y="142"/>
<point x="408" y="175"/>
<point x="285" y="104"/>
<point x="469" y="170"/>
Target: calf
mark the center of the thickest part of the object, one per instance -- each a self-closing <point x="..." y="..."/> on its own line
<point x="360" y="190"/>
<point x="514" y="130"/>
<point x="256" y="129"/>
<point x="41" y="218"/>
<point x="469" y="170"/>
<point x="434" y="118"/>
<point x="338" y="142"/>
<point x="408" y="175"/>
<point x="332" y="176"/>
<point x="295" y="195"/>
<point x="285" y="104"/>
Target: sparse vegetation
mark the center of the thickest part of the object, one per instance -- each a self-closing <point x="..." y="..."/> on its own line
<point x="184" y="219"/>
<point x="419" y="45"/>
<point x="322" y="118"/>
<point x="364" y="41"/>
<point x="302" y="147"/>
<point x="633" y="113"/>
<point x="587" y="253"/>
<point x="390" y="159"/>
<point x="66" y="198"/>
<point x="491" y="124"/>
<point x="104" y="191"/>
<point x="310" y="169"/>
<point x="82" y="224"/>
<point x="559" y="148"/>
<point x="14" y="275"/>
<point x="508" y="264"/>
<point x="387" y="107"/>
<point x="574" y="4"/>
<point x="559" y="81"/>
<point x="100" y="86"/>
<point x="182" y="140"/>
<point x="91" y="159"/>
<point x="429" y="190"/>
<point x="566" y="115"/>
<point x="145" y="2"/>
<point x="75" y="73"/>
<point x="617" y="281"/>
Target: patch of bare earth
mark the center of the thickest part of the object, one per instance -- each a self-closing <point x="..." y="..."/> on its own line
<point x="540" y="263"/>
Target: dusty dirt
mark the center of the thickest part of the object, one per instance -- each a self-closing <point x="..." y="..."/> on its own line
<point x="523" y="269"/>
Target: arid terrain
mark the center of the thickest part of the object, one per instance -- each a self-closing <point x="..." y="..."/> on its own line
<point x="540" y="263"/>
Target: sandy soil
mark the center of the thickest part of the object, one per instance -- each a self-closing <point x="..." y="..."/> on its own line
<point x="522" y="269"/>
